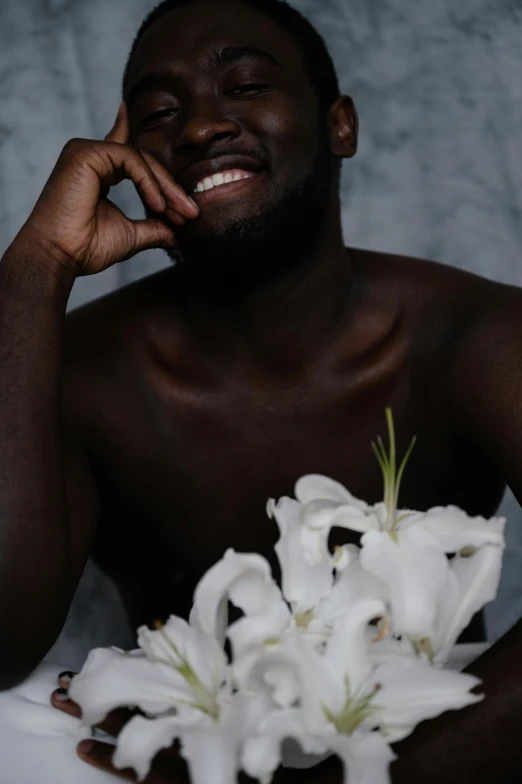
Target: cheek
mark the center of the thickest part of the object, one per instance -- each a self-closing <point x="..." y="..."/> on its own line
<point x="290" y="132"/>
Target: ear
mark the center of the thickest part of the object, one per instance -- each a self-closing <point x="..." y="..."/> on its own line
<point x="343" y="122"/>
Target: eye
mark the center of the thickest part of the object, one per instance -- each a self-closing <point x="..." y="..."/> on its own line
<point x="157" y="115"/>
<point x="247" y="88"/>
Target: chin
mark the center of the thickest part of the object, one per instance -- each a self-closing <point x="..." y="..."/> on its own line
<point x="248" y="245"/>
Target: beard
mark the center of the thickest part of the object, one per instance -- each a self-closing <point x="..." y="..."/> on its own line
<point x="253" y="252"/>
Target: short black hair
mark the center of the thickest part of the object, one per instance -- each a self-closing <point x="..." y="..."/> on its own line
<point x="316" y="58"/>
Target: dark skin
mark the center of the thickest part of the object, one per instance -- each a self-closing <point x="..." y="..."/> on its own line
<point x="182" y="411"/>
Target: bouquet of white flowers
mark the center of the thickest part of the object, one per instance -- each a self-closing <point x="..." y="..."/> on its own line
<point x="346" y="658"/>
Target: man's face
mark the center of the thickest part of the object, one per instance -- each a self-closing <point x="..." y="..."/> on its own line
<point x="230" y="96"/>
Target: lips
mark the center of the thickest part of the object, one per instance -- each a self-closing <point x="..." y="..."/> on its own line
<point x="226" y="190"/>
<point x="196" y="173"/>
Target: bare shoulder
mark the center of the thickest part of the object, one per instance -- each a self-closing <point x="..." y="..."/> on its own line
<point x="443" y="301"/>
<point x="468" y="331"/>
<point x="421" y="282"/>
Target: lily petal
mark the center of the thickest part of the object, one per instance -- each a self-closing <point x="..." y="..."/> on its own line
<point x="213" y="755"/>
<point x="414" y="569"/>
<point x="351" y="585"/>
<point x="472" y="582"/>
<point x="251" y="632"/>
<point x="210" y="748"/>
<point x="244" y="578"/>
<point x="262" y="753"/>
<point x="325" y="504"/>
<point x="347" y="649"/>
<point x="270" y="670"/>
<point x="112" y="679"/>
<point x="366" y="757"/>
<point x="312" y="487"/>
<point x="141" y="739"/>
<point x="454" y="530"/>
<point x="412" y="691"/>
<point x="321" y="685"/>
<point x="303" y="583"/>
<point x="177" y="642"/>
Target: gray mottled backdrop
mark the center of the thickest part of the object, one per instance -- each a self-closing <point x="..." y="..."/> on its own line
<point x="438" y="85"/>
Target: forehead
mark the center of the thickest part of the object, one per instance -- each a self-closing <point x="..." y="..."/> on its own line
<point x="184" y="39"/>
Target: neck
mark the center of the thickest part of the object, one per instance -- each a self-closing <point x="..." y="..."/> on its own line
<point x="285" y="323"/>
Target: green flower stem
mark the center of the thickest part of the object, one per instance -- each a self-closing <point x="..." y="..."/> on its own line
<point x="392" y="478"/>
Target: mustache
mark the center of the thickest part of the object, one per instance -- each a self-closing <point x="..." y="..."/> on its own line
<point x="231" y="150"/>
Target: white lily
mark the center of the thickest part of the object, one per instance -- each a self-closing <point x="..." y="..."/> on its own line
<point x="245" y="579"/>
<point x="348" y="703"/>
<point x="404" y="550"/>
<point x="179" y="677"/>
<point x="176" y="667"/>
<point x="310" y="602"/>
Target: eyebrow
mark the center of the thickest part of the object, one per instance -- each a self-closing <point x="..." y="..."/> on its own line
<point x="234" y="54"/>
<point x="227" y="56"/>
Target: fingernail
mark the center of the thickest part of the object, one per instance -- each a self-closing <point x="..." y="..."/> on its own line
<point x="85" y="746"/>
<point x="66" y="675"/>
<point x="62" y="695"/>
<point x="193" y="202"/>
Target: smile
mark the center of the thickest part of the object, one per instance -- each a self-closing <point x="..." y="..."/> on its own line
<point x="223" y="184"/>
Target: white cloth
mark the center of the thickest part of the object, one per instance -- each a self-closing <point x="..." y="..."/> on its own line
<point x="38" y="743"/>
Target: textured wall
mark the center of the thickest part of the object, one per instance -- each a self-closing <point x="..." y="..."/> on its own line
<point x="438" y="85"/>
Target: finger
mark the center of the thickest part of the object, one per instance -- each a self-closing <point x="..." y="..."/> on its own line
<point x="176" y="197"/>
<point x="164" y="769"/>
<point x="126" y="163"/>
<point x="60" y="700"/>
<point x="86" y="170"/>
<point x="175" y="217"/>
<point x="99" y="755"/>
<point x="120" y="131"/>
<point x="112" y="724"/>
<point x="153" y="234"/>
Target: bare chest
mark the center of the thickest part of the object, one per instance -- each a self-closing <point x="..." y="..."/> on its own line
<point x="185" y="471"/>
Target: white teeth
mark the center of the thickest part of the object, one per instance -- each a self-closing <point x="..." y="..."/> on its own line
<point x="219" y="179"/>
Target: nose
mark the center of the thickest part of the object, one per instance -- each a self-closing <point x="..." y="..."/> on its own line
<point x="206" y="124"/>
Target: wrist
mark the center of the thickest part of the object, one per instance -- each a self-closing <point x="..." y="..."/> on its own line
<point x="36" y="271"/>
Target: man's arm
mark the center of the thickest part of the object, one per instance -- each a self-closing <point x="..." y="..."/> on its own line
<point x="482" y="742"/>
<point x="48" y="500"/>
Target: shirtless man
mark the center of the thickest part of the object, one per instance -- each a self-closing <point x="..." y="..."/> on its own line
<point x="148" y="428"/>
